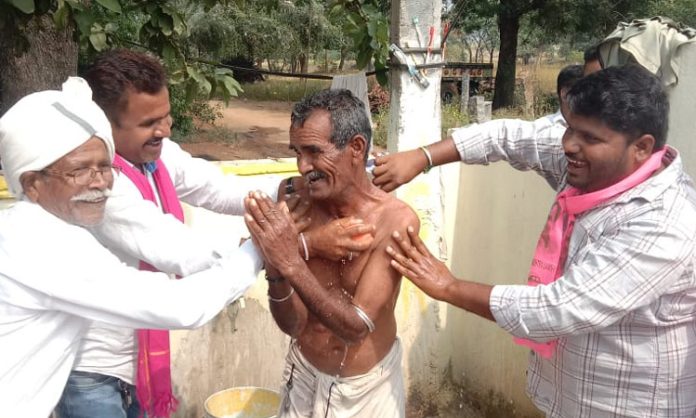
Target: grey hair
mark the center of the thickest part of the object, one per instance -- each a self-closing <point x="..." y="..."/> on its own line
<point x="347" y="113"/>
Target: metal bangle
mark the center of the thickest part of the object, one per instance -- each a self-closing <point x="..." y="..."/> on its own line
<point x="272" y="299"/>
<point x="304" y="246"/>
<point x="366" y="319"/>
<point x="429" y="156"/>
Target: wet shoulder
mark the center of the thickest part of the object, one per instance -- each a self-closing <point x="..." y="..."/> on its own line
<point x="397" y="214"/>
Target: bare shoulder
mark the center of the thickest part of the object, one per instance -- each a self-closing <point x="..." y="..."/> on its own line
<point x="400" y="213"/>
<point x="397" y="215"/>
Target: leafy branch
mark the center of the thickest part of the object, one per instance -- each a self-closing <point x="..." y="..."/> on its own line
<point x="160" y="28"/>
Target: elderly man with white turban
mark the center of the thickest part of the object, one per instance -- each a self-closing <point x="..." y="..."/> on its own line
<point x="55" y="277"/>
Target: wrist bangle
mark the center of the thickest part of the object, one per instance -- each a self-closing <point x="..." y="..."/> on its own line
<point x="366" y="319"/>
<point x="304" y="246"/>
<point x="283" y="299"/>
<point x="429" y="157"/>
<point x="274" y="279"/>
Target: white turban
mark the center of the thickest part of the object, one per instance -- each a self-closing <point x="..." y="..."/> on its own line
<point x="43" y="127"/>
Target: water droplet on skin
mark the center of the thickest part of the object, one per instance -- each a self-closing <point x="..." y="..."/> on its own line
<point x="343" y="361"/>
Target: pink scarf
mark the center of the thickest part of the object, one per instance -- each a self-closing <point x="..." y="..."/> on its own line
<point x="154" y="381"/>
<point x="552" y="249"/>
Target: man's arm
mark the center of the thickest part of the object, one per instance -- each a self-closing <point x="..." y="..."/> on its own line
<point x="625" y="269"/>
<point x="202" y="184"/>
<point x="393" y="170"/>
<point x="612" y="279"/>
<point x="267" y="225"/>
<point x="374" y="294"/>
<point x="92" y="283"/>
<point x="333" y="241"/>
<point x="526" y="145"/>
<point x="413" y="260"/>
<point x="287" y="308"/>
<point x="139" y="229"/>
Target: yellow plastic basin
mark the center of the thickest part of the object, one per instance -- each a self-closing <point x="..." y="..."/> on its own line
<point x="243" y="402"/>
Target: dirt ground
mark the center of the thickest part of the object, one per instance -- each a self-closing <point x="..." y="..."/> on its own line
<point x="253" y="130"/>
<point x="248" y="130"/>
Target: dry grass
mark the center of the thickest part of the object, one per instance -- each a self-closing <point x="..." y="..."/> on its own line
<point x="283" y="89"/>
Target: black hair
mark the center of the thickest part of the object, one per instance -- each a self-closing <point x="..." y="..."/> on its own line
<point x="567" y="77"/>
<point x="116" y="72"/>
<point x="628" y="99"/>
<point x="591" y="53"/>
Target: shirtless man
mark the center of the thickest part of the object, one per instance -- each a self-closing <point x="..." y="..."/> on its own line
<point x="344" y="358"/>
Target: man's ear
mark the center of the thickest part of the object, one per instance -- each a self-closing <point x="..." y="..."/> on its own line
<point x="358" y="145"/>
<point x="643" y="147"/>
<point x="29" y="184"/>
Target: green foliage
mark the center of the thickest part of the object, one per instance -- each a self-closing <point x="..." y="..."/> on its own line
<point x="25" y="6"/>
<point x="545" y="103"/>
<point x="186" y="113"/>
<point x="367" y="24"/>
<point x="285" y="32"/>
<point x="155" y="25"/>
<point x="452" y="117"/>
<point x="683" y="11"/>
<point x="380" y="127"/>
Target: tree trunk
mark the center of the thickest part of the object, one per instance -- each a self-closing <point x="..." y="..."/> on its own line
<point x="342" y="62"/>
<point x="467" y="45"/>
<point x="35" y="57"/>
<point x="304" y="61"/>
<point x="509" y="26"/>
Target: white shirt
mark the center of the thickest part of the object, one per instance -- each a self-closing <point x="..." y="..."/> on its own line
<point x="624" y="311"/>
<point x="55" y="277"/>
<point x="135" y="229"/>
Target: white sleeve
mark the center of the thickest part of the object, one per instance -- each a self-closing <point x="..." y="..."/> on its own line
<point x="137" y="228"/>
<point x="84" y="279"/>
<point x="200" y="183"/>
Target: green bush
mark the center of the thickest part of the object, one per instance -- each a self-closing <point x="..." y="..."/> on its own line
<point x="452" y="117"/>
<point x="545" y="103"/>
<point x="182" y="122"/>
<point x="380" y="126"/>
<point x="185" y="114"/>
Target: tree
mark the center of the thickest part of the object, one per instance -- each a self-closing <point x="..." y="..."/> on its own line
<point x="580" y="20"/>
<point x="26" y="42"/>
<point x="39" y="46"/>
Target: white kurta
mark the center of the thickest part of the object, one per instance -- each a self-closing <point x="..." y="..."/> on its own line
<point x="135" y="229"/>
<point x="55" y="278"/>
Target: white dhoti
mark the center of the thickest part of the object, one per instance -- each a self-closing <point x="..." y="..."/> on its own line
<point x="308" y="393"/>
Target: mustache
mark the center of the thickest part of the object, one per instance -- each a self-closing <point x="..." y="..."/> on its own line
<point x="91" y="196"/>
<point x="315" y="175"/>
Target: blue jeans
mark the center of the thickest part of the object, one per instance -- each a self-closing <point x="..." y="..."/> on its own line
<point x="89" y="395"/>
